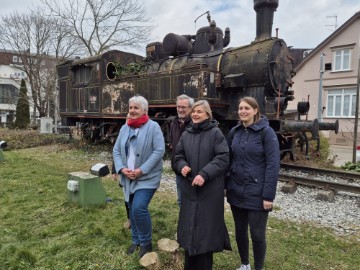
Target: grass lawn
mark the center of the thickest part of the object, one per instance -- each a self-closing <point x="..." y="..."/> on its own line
<point x="41" y="229"/>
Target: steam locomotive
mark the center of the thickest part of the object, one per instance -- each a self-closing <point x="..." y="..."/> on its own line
<point x="94" y="91"/>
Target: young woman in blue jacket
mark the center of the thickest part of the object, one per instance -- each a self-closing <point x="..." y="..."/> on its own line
<point x="252" y="179"/>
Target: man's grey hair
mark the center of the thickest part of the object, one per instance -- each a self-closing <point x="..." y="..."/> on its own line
<point x="141" y="101"/>
<point x="183" y="97"/>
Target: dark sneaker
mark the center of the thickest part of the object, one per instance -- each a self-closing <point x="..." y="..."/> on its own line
<point x="145" y="249"/>
<point x="132" y="249"/>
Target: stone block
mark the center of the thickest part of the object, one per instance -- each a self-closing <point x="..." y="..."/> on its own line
<point x="289" y="188"/>
<point x="326" y="195"/>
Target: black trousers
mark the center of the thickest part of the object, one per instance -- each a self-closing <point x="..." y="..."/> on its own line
<point x="198" y="262"/>
<point x="257" y="221"/>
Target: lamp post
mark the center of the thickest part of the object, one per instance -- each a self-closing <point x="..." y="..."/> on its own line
<point x="356" y="121"/>
<point x="320" y="87"/>
<point x="56" y="107"/>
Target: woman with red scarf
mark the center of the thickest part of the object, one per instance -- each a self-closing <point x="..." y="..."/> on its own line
<point x="138" y="153"/>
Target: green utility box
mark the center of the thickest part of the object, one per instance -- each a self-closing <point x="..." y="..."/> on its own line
<point x="85" y="189"/>
<point x="1" y="155"/>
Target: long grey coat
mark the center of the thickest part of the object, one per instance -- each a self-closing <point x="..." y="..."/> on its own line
<point x="201" y="227"/>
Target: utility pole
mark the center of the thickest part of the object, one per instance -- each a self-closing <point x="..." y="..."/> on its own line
<point x="320" y="87"/>
<point x="356" y="121"/>
<point x="56" y="108"/>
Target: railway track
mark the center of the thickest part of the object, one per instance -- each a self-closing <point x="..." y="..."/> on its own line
<point x="321" y="178"/>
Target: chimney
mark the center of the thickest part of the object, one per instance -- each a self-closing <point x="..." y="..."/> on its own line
<point x="264" y="17"/>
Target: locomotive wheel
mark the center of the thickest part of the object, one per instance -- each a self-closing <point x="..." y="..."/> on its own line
<point x="282" y="155"/>
<point x="286" y="146"/>
<point x="301" y="141"/>
<point x="90" y="133"/>
<point x="165" y="128"/>
<point x="86" y="131"/>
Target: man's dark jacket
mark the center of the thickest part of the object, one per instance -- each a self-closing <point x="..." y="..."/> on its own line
<point x="176" y="129"/>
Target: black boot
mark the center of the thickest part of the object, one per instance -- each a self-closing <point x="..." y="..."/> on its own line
<point x="131" y="249"/>
<point x="145" y="249"/>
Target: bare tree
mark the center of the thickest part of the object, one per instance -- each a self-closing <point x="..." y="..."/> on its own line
<point x="41" y="42"/>
<point x="103" y="24"/>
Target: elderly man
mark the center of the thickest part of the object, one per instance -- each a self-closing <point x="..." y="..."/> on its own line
<point x="178" y="125"/>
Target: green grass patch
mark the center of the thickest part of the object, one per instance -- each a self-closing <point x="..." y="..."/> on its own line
<point x="41" y="229"/>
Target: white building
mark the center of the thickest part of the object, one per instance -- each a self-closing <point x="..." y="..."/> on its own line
<point x="10" y="80"/>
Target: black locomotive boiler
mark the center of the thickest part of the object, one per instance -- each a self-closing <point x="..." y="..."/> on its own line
<point x="94" y="91"/>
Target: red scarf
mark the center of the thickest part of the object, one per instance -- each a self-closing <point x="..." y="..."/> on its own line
<point x="136" y="123"/>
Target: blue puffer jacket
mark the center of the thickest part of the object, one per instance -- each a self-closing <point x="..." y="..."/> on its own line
<point x="255" y="165"/>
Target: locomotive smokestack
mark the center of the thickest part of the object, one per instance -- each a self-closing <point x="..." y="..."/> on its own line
<point x="264" y="17"/>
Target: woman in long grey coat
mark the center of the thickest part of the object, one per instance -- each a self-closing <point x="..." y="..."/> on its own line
<point x="202" y="157"/>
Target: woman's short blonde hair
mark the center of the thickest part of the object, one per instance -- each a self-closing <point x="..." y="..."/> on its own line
<point x="205" y="105"/>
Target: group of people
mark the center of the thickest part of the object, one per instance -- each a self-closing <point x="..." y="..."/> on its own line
<point x="244" y="167"/>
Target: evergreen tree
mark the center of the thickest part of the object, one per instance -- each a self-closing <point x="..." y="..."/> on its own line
<point x="22" y="108"/>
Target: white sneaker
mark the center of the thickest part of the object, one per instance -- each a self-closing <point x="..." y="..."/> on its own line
<point x="244" y="267"/>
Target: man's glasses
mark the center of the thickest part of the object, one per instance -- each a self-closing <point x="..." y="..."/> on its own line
<point x="182" y="107"/>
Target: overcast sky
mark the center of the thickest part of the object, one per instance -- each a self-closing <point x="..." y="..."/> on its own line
<point x="302" y="24"/>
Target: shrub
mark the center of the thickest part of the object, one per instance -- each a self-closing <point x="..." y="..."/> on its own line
<point x="22" y="108"/>
<point x="19" y="139"/>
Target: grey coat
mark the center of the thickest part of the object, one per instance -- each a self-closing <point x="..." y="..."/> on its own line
<point x="150" y="148"/>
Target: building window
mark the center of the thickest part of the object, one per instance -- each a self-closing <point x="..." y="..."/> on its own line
<point x="15" y="58"/>
<point x="342" y="59"/>
<point x="8" y="94"/>
<point x="341" y="103"/>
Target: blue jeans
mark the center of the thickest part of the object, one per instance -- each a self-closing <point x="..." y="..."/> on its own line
<point x="141" y="228"/>
<point x="178" y="179"/>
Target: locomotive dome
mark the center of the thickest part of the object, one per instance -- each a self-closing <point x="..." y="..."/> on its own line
<point x="209" y="38"/>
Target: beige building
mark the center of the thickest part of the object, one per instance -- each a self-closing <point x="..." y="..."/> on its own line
<point x="339" y="55"/>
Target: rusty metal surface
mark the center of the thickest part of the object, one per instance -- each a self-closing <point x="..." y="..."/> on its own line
<point x="96" y="90"/>
<point x="199" y="76"/>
